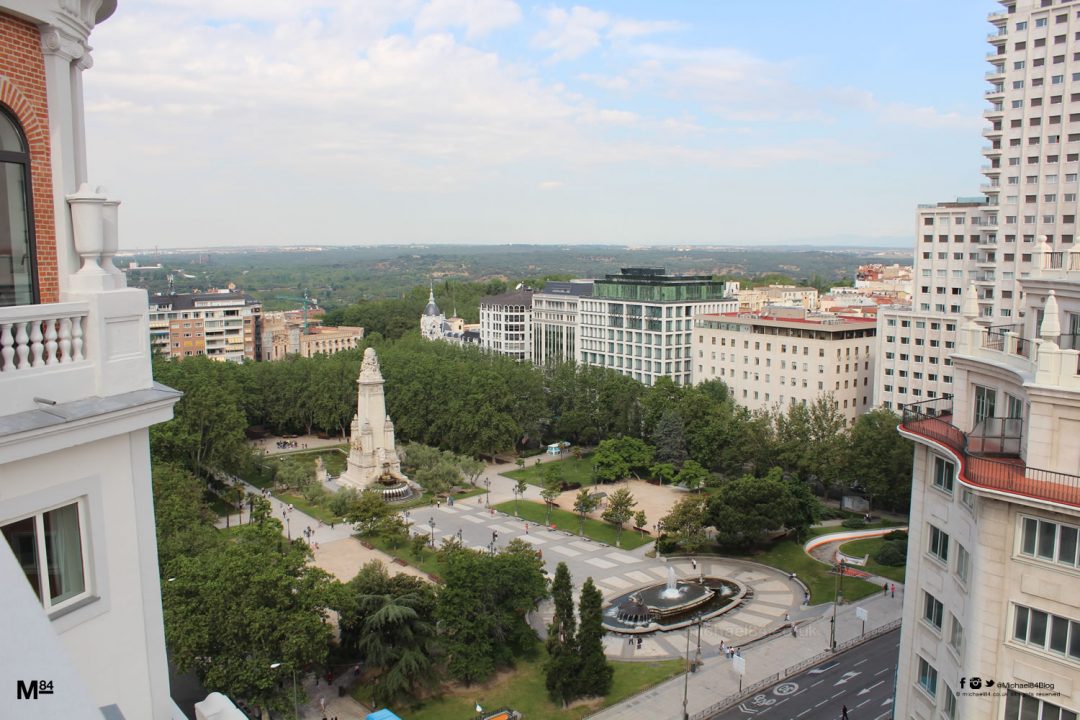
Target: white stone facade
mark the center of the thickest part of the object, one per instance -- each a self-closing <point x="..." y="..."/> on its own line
<point x="372" y="448"/>
<point x="787" y="357"/>
<point x="913" y="352"/>
<point x="555" y="321"/>
<point x="506" y="324"/>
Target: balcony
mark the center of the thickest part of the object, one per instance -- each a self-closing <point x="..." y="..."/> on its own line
<point x="992" y="132"/>
<point x="989" y="456"/>
<point x="997" y="72"/>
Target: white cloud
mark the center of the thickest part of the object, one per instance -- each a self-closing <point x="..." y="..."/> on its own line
<point x="571" y="34"/>
<point x="549" y="185"/>
<point x="478" y="17"/>
<point x="628" y="29"/>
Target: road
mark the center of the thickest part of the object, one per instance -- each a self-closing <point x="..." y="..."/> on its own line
<point x="861" y="678"/>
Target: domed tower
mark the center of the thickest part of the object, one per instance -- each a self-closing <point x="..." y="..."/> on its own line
<point x="431" y="322"/>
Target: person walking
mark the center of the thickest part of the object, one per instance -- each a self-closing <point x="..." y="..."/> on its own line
<point x="894" y="589"/>
<point x="885" y="590"/>
<point x="843" y="713"/>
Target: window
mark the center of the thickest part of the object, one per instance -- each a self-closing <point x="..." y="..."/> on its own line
<point x="950" y="703"/>
<point x="985" y="400"/>
<point x="943" y="474"/>
<point x="1050" y="633"/>
<point x="963" y="563"/>
<point x="49" y="547"/>
<point x="1049" y="541"/>
<point x="933" y="610"/>
<point x="1023" y="707"/>
<point x="939" y="544"/>
<point x="956" y="634"/>
<point x="18" y="272"/>
<point x="927" y="677"/>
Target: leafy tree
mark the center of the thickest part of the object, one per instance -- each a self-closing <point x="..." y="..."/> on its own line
<point x="561" y="670"/>
<point x="295" y="473"/>
<point x="584" y="503"/>
<point x="880" y="458"/>
<point x="595" y="672"/>
<point x="240" y="606"/>
<point x="829" y="442"/>
<point x="636" y="453"/>
<point x="550" y="493"/>
<point x="399" y="644"/>
<point x="664" y="472"/>
<point x="438" y="478"/>
<point x="471" y="468"/>
<point x="418" y="546"/>
<point x="344" y="502"/>
<point x="520" y="486"/>
<point x="640" y="520"/>
<point x="685" y="523"/>
<point x="415" y="457"/>
<point x="184" y="521"/>
<point x="369" y="512"/>
<point x="619" y="510"/>
<point x="608" y="463"/>
<point x="692" y="476"/>
<point x="747" y="508"/>
<point x="669" y="438"/>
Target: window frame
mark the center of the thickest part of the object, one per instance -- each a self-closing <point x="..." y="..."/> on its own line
<point x="42" y="558"/>
<point x="24" y="159"/>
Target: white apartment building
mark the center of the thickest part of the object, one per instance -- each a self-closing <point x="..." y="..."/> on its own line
<point x="506" y="324"/>
<point x="756" y="299"/>
<point x="787" y="356"/>
<point x="80" y="599"/>
<point x="640" y="322"/>
<point x="993" y="565"/>
<point x="555" y="321"/>
<point x="221" y="324"/>
<point x="914" y="352"/>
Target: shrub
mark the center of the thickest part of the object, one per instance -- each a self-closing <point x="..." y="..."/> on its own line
<point x="898" y="535"/>
<point x="892" y="553"/>
<point x="571" y="486"/>
<point x="854" y="523"/>
<point x="667" y="545"/>
<point x="343" y="501"/>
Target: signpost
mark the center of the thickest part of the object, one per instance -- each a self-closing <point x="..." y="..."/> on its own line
<point x="739" y="663"/>
<point x="862" y="614"/>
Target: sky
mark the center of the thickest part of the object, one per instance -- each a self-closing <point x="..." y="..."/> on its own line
<point x="719" y="122"/>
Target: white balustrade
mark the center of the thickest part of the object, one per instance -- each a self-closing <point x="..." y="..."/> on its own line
<point x="36" y="336"/>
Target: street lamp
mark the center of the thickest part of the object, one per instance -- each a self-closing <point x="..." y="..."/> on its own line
<point x="487" y="483"/>
<point x="459" y="535"/>
<point x="431" y="522"/>
<point x="295" y="700"/>
<point x="288" y="528"/>
<point x="836" y="601"/>
<point x="517" y="496"/>
<point x="697" y="657"/>
<point x="686" y="676"/>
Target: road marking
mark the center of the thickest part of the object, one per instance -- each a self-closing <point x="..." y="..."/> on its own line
<point x="473" y="518"/>
<point x="817" y="683"/>
<point x="866" y="690"/>
<point x="803" y="712"/>
<point x="837" y="694"/>
<point x="586" y="546"/>
<point x="883" y="670"/>
<point x="622" y="557"/>
<point x="501" y="528"/>
<point x="863" y="703"/>
<point x="860" y="662"/>
<point x="849" y="675"/>
<point x="532" y="540"/>
<point x="822" y="668"/>
<point x="618" y="582"/>
<point x="821" y="703"/>
<point x="639" y="576"/>
<point x="563" y="550"/>
<point x="600" y="563"/>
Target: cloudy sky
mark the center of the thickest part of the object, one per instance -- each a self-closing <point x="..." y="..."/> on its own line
<point x="230" y="122"/>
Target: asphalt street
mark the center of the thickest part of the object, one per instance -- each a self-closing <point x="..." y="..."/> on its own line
<point x="861" y="678"/>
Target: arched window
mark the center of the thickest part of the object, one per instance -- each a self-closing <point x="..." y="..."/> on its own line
<point x="18" y="273"/>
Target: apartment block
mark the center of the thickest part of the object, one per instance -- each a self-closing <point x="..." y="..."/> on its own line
<point x="506" y="323"/>
<point x="286" y="334"/>
<point x="787" y="356"/>
<point x="914" y="352"/>
<point x="80" y="604"/>
<point x="640" y="322"/>
<point x="555" y="321"/>
<point x="221" y="324"/>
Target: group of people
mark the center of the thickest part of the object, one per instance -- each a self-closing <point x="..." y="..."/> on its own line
<point x="290" y="445"/>
<point x="729" y="651"/>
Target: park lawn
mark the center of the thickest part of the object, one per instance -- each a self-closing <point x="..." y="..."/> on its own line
<point x="524" y="691"/>
<point x="334" y="458"/>
<point x="219" y="506"/>
<point x="597" y="530"/>
<point x="789" y="556"/>
<point x="870" y="546"/>
<point x="301" y="503"/>
<point x="573" y="471"/>
<point x="429" y="563"/>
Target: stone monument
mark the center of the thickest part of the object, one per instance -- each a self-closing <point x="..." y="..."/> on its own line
<point x="373" y="459"/>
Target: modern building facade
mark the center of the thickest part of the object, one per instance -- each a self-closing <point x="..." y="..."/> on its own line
<point x="640" y="322"/>
<point x="555" y="321"/>
<point x="993" y="567"/>
<point x="506" y="324"/>
<point x="81" y="601"/>
<point x="787" y="356"/>
<point x="223" y="325"/>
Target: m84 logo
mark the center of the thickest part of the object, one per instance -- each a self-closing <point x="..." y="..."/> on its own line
<point x="29" y="690"/>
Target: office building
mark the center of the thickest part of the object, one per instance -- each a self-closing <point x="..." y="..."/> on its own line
<point x="555" y="321"/>
<point x="787" y="356"/>
<point x="220" y="324"/>
<point x="506" y="323"/>
<point x="640" y="322"/>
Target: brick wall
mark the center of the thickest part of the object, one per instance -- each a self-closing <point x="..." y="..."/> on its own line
<point x="22" y="91"/>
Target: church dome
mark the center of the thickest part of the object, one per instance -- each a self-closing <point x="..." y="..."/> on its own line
<point x="431" y="309"/>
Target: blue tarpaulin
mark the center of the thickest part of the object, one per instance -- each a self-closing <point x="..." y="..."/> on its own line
<point x="383" y="714"/>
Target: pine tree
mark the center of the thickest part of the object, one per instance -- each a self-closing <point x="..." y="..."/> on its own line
<point x="562" y="665"/>
<point x="594" y="675"/>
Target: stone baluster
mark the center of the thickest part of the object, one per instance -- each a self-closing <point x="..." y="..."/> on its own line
<point x="22" y="345"/>
<point x="76" y="338"/>
<point x="50" y="342"/>
<point x="37" y="348"/>
<point x="65" y="339"/>
<point x="7" y="349"/>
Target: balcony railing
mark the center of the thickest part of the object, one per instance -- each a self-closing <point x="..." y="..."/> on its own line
<point x="931" y="419"/>
<point x="36" y="336"/>
<point x="1007" y="341"/>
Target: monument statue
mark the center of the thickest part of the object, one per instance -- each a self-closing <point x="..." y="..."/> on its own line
<point x="373" y="459"/>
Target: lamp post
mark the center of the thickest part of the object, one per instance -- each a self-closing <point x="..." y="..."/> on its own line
<point x="686" y="677"/>
<point x="295" y="700"/>
<point x="407" y="518"/>
<point x="459" y="535"/>
<point x="431" y="522"/>
<point x="487" y="484"/>
<point x="517" y="494"/>
<point x="697" y="656"/>
<point x="288" y="527"/>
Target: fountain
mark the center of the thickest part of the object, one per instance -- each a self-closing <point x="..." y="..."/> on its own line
<point x="672" y="604"/>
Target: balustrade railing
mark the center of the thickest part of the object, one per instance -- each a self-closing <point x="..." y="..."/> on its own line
<point x="932" y="419"/>
<point x="35" y="336"/>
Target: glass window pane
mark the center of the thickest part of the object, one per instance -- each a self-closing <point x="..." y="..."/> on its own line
<point x="1021" y="626"/>
<point x="1051" y="712"/>
<point x="16" y="269"/>
<point x="63" y="549"/>
<point x="1059" y="634"/>
<point x="22" y="538"/>
<point x="1047" y="536"/>
<point x="1029" y="708"/>
<point x="1031" y="528"/>
<point x="1037" y="632"/>
<point x="1067" y="545"/>
<point x="1074" y="641"/>
<point x="1012" y="705"/>
<point x="10" y="136"/>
